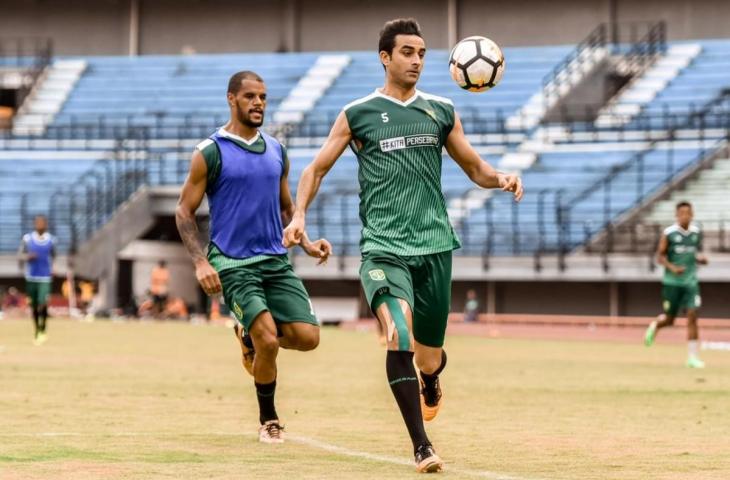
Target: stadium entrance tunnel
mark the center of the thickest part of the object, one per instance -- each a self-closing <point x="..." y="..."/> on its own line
<point x="593" y="92"/>
<point x="122" y="253"/>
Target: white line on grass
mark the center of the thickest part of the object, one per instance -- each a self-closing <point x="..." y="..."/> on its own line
<point x="395" y="460"/>
<point x="310" y="442"/>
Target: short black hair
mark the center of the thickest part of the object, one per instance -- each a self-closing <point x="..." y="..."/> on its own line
<point x="399" y="26"/>
<point x="234" y="84"/>
<point x="683" y="203"/>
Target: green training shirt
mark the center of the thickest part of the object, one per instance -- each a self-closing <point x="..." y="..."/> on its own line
<point x="399" y="151"/>
<point x="682" y="248"/>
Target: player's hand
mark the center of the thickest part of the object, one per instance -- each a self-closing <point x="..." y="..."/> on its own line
<point x="511" y="183"/>
<point x="208" y="278"/>
<point x="321" y="249"/>
<point x="294" y="232"/>
<point x="678" y="269"/>
<point x="31" y="256"/>
<point x="701" y="259"/>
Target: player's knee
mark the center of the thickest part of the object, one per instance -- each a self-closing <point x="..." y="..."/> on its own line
<point x="392" y="312"/>
<point x="265" y="343"/>
<point x="308" y="341"/>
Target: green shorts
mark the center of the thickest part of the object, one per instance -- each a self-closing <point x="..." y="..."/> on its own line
<point x="424" y="281"/>
<point x="678" y="297"/>
<point x="38" y="291"/>
<point x="266" y="286"/>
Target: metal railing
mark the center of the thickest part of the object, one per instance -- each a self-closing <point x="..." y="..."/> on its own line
<point x="646" y="49"/>
<point x="637" y="161"/>
<point x="645" y="41"/>
<point x="492" y="126"/>
<point x="563" y="70"/>
<point x="171" y="126"/>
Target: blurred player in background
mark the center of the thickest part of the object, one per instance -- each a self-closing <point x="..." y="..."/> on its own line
<point x="471" y="307"/>
<point x="36" y="253"/>
<point x="244" y="173"/>
<point x="679" y="252"/>
<point x="159" y="286"/>
<point x="398" y="133"/>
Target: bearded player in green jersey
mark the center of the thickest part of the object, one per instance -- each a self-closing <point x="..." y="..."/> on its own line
<point x="679" y="252"/>
<point x="398" y="134"/>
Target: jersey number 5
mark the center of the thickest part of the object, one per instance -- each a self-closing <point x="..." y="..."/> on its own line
<point x="384" y="116"/>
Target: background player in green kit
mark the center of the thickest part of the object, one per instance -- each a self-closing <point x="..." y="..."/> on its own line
<point x="679" y="252"/>
<point x="244" y="172"/>
<point x="398" y="134"/>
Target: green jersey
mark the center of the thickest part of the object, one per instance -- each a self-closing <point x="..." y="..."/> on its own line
<point x="398" y="147"/>
<point x="682" y="248"/>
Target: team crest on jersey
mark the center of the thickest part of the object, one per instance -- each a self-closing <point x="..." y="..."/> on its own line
<point x="238" y="311"/>
<point x="410" y="141"/>
<point x="378" y="275"/>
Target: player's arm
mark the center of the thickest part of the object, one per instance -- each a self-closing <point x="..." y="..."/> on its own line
<point x="24" y="255"/>
<point x="478" y="171"/>
<point x="662" y="259"/>
<point x="701" y="258"/>
<point x="191" y="196"/>
<point x="321" y="248"/>
<point x="338" y="139"/>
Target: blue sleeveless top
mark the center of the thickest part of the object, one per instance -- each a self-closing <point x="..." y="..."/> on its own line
<point x="39" y="269"/>
<point x="244" y="203"/>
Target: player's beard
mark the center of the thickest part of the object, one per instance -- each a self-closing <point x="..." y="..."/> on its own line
<point x="246" y="120"/>
<point x="406" y="81"/>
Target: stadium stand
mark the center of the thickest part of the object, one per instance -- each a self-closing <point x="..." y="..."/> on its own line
<point x="708" y="193"/>
<point x="169" y="91"/>
<point x="133" y="121"/>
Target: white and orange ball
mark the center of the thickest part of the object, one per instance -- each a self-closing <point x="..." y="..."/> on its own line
<point x="476" y="64"/>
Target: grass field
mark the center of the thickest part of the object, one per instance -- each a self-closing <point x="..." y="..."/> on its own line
<point x="141" y="401"/>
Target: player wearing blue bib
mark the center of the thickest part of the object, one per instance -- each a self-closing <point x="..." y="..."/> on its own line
<point x="36" y="252"/>
<point x="244" y="174"/>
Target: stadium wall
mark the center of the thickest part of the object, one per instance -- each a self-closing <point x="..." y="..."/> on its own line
<point x="548" y="298"/>
<point x="216" y="26"/>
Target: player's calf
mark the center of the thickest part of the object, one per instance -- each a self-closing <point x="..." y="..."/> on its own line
<point x="248" y="353"/>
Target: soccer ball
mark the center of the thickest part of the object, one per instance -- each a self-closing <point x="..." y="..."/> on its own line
<point x="476" y="64"/>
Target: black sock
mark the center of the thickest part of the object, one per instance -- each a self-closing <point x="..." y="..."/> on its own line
<point x="265" y="395"/>
<point x="430" y="378"/>
<point x="36" y="320"/>
<point x="404" y="384"/>
<point x="43" y="315"/>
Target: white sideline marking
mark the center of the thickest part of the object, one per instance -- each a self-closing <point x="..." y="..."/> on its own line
<point x="309" y="442"/>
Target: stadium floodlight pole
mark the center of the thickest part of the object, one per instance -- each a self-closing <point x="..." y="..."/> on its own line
<point x="133" y="28"/>
<point x="452" y="22"/>
<point x="613" y="21"/>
